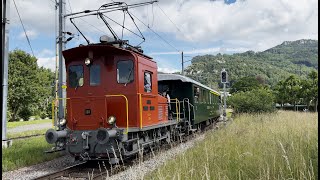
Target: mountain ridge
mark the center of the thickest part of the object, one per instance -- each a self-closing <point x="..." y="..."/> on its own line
<point x="298" y="57"/>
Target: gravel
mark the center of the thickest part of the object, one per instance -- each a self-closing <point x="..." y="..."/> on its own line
<point x="38" y="170"/>
<point x="30" y="127"/>
<point x="139" y="171"/>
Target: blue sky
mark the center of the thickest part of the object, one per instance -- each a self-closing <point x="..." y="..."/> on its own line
<point x="198" y="28"/>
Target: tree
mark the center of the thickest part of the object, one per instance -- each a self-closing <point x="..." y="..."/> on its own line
<point x="313" y="78"/>
<point x="27" y="85"/>
<point x="245" y="84"/>
<point x="281" y="96"/>
<point x="293" y="89"/>
<point x="254" y="101"/>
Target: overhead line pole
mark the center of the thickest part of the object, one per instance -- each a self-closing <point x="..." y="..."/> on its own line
<point x="5" y="62"/>
<point x="61" y="47"/>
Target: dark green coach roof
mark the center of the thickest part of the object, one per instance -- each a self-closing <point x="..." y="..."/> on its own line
<point x="168" y="77"/>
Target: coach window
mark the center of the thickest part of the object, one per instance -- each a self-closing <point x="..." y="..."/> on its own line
<point x="125" y="72"/>
<point x="94" y="75"/>
<point x="147" y="82"/>
<point x="196" y="92"/>
<point x="204" y="97"/>
<point x="75" y="76"/>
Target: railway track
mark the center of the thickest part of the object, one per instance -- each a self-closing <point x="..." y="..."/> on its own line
<point x="97" y="170"/>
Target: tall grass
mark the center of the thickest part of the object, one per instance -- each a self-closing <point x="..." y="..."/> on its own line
<point x="281" y="145"/>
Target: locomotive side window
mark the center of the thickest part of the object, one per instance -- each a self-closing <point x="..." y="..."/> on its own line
<point x="94" y="75"/>
<point x="147" y="82"/>
<point x="75" y="76"/>
<point x="125" y="72"/>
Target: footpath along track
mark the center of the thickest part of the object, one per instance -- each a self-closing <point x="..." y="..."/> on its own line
<point x="94" y="170"/>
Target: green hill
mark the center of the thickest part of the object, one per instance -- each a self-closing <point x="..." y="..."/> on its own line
<point x="277" y="63"/>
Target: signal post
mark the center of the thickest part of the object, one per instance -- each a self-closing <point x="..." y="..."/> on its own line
<point x="224" y="81"/>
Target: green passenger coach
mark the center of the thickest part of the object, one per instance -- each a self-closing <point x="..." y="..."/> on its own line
<point x="204" y="103"/>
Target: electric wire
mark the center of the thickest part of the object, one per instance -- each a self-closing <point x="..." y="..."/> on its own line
<point x="173" y="23"/>
<point x="23" y="27"/>
<point x="70" y="6"/>
<point x="156" y="33"/>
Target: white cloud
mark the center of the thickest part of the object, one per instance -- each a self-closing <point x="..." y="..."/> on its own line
<point x="47" y="62"/>
<point x="203" y="51"/>
<point x="268" y="22"/>
<point x="45" y="53"/>
<point x="167" y="70"/>
<point x="31" y="34"/>
<point x="244" y="25"/>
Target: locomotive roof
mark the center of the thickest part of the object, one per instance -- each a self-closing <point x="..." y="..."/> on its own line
<point x="164" y="77"/>
<point x="105" y="48"/>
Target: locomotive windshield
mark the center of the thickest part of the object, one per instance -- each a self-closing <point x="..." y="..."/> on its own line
<point x="125" y="72"/>
<point x="75" y="76"/>
<point x="94" y="75"/>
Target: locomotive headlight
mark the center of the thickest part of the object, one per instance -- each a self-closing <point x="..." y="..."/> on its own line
<point x="111" y="120"/>
<point x="87" y="61"/>
<point x="62" y="122"/>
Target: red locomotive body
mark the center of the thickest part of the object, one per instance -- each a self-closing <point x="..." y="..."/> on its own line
<point x="112" y="104"/>
<point x="113" y="85"/>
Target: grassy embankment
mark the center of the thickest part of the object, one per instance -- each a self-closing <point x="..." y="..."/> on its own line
<point x="26" y="152"/>
<point x="283" y="145"/>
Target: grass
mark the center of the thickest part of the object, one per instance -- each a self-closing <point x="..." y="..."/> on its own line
<point x="283" y="145"/>
<point x="22" y="123"/>
<point x="26" y="152"/>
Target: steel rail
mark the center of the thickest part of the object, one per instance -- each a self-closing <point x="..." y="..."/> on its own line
<point x="60" y="173"/>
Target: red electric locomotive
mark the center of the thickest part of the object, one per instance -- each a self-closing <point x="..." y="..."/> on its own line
<point x="112" y="103"/>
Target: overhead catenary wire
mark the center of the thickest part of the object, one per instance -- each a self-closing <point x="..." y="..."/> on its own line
<point x="156" y="33"/>
<point x="81" y="18"/>
<point x="173" y="23"/>
<point x="25" y="32"/>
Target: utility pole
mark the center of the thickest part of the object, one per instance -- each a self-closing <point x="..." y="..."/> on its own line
<point x="61" y="47"/>
<point x="5" y="62"/>
<point x="182" y="70"/>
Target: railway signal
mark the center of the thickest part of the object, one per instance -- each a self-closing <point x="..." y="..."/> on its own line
<point x="224" y="76"/>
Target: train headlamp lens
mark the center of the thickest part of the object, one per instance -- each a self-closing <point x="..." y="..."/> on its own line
<point x="87" y="61"/>
<point x="62" y="122"/>
<point x="111" y="120"/>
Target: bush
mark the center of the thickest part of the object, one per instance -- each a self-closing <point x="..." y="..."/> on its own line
<point x="25" y="113"/>
<point x="254" y="101"/>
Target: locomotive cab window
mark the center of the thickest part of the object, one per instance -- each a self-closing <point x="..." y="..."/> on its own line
<point x="75" y="76"/>
<point x="147" y="82"/>
<point x="125" y="72"/>
<point x="94" y="75"/>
